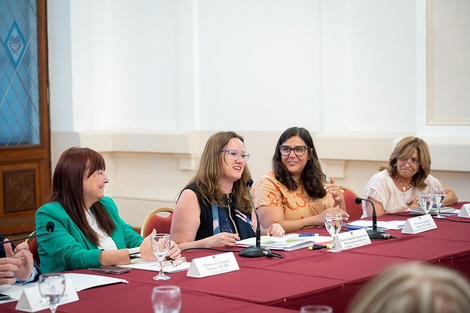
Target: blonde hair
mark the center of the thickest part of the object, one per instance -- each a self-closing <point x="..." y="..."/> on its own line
<point x="210" y="170"/>
<point x="414" y="288"/>
<point x="404" y="149"/>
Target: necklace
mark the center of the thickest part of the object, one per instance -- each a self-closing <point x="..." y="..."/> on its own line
<point x="404" y="188"/>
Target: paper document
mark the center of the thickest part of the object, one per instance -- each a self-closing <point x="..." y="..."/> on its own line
<point x="444" y="210"/>
<point x="168" y="267"/>
<point x="287" y="243"/>
<point x="381" y="225"/>
<point x="80" y="282"/>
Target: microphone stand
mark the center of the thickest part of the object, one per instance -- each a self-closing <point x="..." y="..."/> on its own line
<point x="374" y="233"/>
<point x="256" y="251"/>
<point x="49" y="228"/>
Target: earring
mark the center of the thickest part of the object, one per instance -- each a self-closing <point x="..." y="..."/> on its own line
<point x="395" y="164"/>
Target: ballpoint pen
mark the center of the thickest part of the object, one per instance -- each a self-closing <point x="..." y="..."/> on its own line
<point x="308" y="235"/>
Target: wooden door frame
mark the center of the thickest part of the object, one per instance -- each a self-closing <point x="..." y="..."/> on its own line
<point x="33" y="153"/>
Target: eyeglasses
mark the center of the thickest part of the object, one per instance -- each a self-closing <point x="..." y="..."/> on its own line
<point x="174" y="263"/>
<point x="298" y="150"/>
<point x="412" y="162"/>
<point x="234" y="155"/>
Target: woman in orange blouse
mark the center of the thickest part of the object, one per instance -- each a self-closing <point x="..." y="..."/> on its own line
<point x="295" y="193"/>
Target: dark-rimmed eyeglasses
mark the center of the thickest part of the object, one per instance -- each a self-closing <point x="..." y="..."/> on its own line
<point x="298" y="150"/>
<point x="234" y="155"/>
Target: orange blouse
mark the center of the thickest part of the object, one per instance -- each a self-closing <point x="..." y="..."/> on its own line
<point x="296" y="204"/>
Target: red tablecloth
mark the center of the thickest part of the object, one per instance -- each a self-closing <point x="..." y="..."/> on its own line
<point x="279" y="285"/>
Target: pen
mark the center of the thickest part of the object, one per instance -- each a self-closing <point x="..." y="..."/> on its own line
<point x="317" y="247"/>
<point x="308" y="235"/>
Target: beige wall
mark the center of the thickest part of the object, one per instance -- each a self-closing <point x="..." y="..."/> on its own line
<point x="147" y="169"/>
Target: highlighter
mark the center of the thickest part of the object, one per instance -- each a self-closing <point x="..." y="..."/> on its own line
<point x="318" y="247"/>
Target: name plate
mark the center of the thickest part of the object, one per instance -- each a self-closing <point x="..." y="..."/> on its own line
<point x="213" y="265"/>
<point x="352" y="239"/>
<point x="31" y="300"/>
<point x="419" y="224"/>
<point x="465" y="211"/>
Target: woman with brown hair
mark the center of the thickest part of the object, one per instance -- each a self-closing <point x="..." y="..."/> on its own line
<point x="295" y="193"/>
<point x="397" y="186"/>
<point x="88" y="230"/>
<point x="214" y="209"/>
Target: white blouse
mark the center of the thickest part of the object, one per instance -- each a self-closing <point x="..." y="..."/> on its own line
<point x="382" y="189"/>
<point x="106" y="242"/>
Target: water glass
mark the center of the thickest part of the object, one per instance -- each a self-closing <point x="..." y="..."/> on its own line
<point x="333" y="223"/>
<point x="160" y="244"/>
<point x="426" y="201"/>
<point x="439" y="197"/>
<point x="315" y="308"/>
<point x="52" y="288"/>
<point x="166" y="299"/>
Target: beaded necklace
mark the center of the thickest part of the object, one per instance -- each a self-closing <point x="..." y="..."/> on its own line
<point x="404" y="188"/>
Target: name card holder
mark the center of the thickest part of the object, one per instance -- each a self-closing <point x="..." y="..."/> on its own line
<point x="31" y="300"/>
<point x="419" y="224"/>
<point x="352" y="239"/>
<point x="465" y="211"/>
<point x="213" y="265"/>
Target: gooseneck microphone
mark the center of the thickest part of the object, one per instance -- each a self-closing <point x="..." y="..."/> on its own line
<point x="374" y="233"/>
<point x="49" y="227"/>
<point x="256" y="251"/>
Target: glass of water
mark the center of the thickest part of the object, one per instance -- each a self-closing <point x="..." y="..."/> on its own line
<point x="160" y="244"/>
<point x="426" y="201"/>
<point x="166" y="299"/>
<point x="333" y="223"/>
<point x="439" y="197"/>
<point x="52" y="288"/>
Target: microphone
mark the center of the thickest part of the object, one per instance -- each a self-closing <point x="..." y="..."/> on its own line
<point x="256" y="251"/>
<point x="49" y="227"/>
<point x="374" y="233"/>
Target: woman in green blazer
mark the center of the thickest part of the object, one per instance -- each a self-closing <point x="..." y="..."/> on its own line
<point x="88" y="230"/>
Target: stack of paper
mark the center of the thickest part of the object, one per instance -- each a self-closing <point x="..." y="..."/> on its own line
<point x="287" y="243"/>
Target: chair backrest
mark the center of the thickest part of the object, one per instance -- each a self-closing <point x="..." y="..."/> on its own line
<point x="354" y="210"/>
<point x="157" y="221"/>
<point x="33" y="247"/>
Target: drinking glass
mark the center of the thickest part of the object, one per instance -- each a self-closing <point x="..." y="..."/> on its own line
<point x="166" y="299"/>
<point x="426" y="200"/>
<point x="333" y="223"/>
<point x="52" y="288"/>
<point x="315" y="308"/>
<point x="439" y="197"/>
<point x="160" y="244"/>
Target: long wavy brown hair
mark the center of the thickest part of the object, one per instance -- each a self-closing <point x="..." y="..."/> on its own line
<point x="210" y="170"/>
<point x="67" y="189"/>
<point x="405" y="149"/>
<point x="312" y="175"/>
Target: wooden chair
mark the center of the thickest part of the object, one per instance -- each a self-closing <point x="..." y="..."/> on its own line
<point x="158" y="221"/>
<point x="354" y="210"/>
<point x="33" y="247"/>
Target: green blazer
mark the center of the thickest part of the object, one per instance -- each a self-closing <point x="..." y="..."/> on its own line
<point x="66" y="248"/>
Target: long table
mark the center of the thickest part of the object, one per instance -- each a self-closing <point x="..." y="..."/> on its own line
<point x="282" y="285"/>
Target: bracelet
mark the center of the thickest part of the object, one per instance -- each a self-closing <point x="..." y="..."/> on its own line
<point x="133" y="251"/>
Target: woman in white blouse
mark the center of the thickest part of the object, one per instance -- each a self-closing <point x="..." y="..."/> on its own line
<point x="397" y="186"/>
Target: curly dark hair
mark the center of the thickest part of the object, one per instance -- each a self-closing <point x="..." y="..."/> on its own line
<point x="312" y="175"/>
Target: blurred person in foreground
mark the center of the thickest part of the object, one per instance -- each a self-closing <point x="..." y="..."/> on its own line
<point x="414" y="288"/>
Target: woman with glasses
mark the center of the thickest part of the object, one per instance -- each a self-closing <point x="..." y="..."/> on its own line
<point x="295" y="193"/>
<point x="397" y="186"/>
<point x="214" y="209"/>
